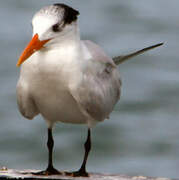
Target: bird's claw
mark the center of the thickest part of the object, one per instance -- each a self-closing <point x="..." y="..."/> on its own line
<point x="48" y="171"/>
<point x="77" y="174"/>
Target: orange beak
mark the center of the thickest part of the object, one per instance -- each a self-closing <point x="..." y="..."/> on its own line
<point x="34" y="45"/>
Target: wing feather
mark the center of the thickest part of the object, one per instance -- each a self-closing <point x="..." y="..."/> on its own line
<point x="25" y="103"/>
<point x="100" y="87"/>
<point x="120" y="59"/>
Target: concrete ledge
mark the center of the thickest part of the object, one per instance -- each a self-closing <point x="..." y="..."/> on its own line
<point x="27" y="174"/>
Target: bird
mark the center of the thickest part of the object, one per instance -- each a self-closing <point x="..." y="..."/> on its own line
<point x="66" y="79"/>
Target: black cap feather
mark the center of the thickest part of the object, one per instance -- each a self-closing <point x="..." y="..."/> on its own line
<point x="70" y="14"/>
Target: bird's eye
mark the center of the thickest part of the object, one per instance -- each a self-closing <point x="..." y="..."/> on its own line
<point x="56" y="28"/>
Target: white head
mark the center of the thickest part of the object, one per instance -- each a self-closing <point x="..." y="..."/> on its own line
<point x="51" y="24"/>
<point x="54" y="21"/>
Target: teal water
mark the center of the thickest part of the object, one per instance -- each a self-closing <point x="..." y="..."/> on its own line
<point x="141" y="137"/>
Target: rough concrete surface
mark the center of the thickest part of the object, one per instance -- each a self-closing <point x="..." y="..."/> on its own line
<point x="27" y="174"/>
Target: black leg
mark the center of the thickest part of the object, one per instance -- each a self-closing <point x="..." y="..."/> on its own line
<point x="82" y="170"/>
<point x="50" y="169"/>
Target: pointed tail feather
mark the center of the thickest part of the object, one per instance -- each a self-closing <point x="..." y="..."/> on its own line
<point x="121" y="59"/>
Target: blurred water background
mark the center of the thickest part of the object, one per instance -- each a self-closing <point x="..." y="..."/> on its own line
<point x="141" y="137"/>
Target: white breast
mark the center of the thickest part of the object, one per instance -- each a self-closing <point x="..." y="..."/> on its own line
<point x="48" y="75"/>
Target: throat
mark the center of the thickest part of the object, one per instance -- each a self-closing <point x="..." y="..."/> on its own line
<point x="62" y="54"/>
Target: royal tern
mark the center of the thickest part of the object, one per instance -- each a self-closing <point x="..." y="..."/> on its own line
<point x="66" y="79"/>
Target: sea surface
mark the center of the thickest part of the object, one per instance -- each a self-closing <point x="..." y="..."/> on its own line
<point x="142" y="135"/>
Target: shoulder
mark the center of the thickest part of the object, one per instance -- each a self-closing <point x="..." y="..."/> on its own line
<point x="97" y="53"/>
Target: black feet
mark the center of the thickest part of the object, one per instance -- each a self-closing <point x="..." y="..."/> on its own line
<point x="52" y="171"/>
<point x="79" y="173"/>
<point x="48" y="171"/>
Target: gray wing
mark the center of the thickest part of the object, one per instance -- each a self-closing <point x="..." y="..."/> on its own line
<point x="98" y="54"/>
<point x="100" y="88"/>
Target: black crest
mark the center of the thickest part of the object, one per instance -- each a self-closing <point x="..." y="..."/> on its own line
<point x="70" y="14"/>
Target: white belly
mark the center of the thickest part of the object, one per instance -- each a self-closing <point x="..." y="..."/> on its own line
<point x="57" y="104"/>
